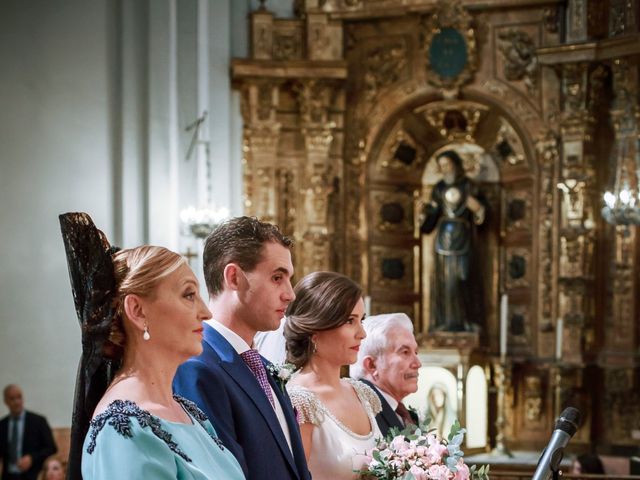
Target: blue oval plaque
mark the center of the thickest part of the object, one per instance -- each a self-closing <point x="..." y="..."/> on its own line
<point x="448" y="53"/>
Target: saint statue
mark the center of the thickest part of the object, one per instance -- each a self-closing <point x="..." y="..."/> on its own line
<point x="454" y="212"/>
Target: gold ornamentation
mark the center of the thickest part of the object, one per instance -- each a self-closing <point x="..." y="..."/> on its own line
<point x="507" y="134"/>
<point x="551" y="18"/>
<point x="389" y="163"/>
<point x="532" y="399"/>
<point x="287" y="44"/>
<point x="548" y="154"/>
<point x="392" y="268"/>
<point x="456" y="120"/>
<point x="392" y="212"/>
<point x="521" y="107"/>
<point x="384" y="65"/>
<point x="324" y="37"/>
<point x="450" y="14"/>
<point x="262" y="35"/>
<point x="518" y="264"/>
<point x="521" y="62"/>
<point x="573" y="194"/>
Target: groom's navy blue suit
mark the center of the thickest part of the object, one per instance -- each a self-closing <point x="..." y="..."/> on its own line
<point x="221" y="384"/>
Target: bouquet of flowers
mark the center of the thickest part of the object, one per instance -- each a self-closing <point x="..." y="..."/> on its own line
<point x="419" y="454"/>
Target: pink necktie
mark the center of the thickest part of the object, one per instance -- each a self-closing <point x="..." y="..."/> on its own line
<point x="252" y="358"/>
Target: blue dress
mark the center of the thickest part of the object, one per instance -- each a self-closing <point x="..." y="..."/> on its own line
<point x="126" y="442"/>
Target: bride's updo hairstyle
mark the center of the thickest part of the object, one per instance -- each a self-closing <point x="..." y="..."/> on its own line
<point x="137" y="271"/>
<point x="324" y="301"/>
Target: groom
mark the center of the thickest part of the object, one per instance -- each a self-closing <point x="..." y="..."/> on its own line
<point x="247" y="269"/>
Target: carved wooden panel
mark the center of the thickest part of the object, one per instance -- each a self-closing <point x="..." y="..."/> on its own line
<point x="392" y="212"/>
<point x="393" y="269"/>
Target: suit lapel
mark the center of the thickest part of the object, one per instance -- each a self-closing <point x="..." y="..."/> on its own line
<point x="387" y="412"/>
<point x="289" y="415"/>
<point x="235" y="367"/>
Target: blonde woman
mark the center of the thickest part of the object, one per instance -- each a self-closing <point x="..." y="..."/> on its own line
<point x="141" y="313"/>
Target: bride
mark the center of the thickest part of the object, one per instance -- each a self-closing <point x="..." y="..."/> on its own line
<point x="323" y="331"/>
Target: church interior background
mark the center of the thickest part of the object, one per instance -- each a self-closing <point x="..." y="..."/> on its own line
<point x="342" y="108"/>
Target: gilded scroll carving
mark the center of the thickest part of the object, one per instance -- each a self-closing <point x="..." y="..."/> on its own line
<point x="288" y="43"/>
<point x="383" y="66"/>
<point x="314" y="100"/>
<point x="455" y="120"/>
<point x="547" y="147"/>
<point x="532" y="399"/>
<point x="521" y="62"/>
<point x="623" y="413"/>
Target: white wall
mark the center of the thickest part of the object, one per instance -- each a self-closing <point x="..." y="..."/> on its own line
<point x="55" y="133"/>
<point x="94" y="99"/>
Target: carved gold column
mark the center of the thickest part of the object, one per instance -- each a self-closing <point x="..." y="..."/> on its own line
<point x="620" y="327"/>
<point x="292" y="107"/>
<point x="577" y="186"/>
<point x="260" y="145"/>
<point x="317" y="173"/>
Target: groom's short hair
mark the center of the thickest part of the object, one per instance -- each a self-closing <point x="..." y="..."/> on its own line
<point x="238" y="240"/>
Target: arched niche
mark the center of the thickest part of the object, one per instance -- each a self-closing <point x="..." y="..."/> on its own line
<point x="436" y="397"/>
<point x="477" y="412"/>
<point x="398" y="174"/>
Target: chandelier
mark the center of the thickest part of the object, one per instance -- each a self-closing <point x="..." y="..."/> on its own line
<point x="199" y="222"/>
<point x="622" y="205"/>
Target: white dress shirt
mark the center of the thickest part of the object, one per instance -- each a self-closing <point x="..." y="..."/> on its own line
<point x="393" y="403"/>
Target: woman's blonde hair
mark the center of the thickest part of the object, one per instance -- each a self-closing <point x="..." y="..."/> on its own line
<point x="138" y="271"/>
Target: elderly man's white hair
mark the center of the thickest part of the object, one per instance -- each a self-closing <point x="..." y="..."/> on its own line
<point x="377" y="328"/>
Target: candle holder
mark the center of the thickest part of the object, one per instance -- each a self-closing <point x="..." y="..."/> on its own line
<point x="502" y="378"/>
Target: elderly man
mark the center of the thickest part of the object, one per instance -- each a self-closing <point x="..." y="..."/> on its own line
<point x="25" y="439"/>
<point x="388" y="361"/>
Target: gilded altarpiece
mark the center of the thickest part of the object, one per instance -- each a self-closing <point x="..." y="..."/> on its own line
<point x="345" y="108"/>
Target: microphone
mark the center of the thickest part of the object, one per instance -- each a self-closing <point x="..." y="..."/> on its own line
<point x="565" y="427"/>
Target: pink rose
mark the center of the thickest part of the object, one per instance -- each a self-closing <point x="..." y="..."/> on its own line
<point x="435" y="452"/>
<point x="439" y="472"/>
<point x="463" y="471"/>
<point x="398" y="443"/>
<point x="418" y="473"/>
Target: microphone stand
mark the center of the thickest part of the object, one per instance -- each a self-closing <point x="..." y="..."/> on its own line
<point x="502" y="375"/>
<point x="556" y="372"/>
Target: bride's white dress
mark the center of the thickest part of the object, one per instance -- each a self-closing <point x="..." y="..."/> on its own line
<point x="336" y="451"/>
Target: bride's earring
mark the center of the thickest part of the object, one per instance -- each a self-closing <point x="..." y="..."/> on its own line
<point x="314" y="347"/>
<point x="146" y="335"/>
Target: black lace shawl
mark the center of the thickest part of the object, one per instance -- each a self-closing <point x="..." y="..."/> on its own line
<point x="93" y="285"/>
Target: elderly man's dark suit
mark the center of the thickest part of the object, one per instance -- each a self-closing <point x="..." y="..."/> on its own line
<point x="387" y="418"/>
<point x="37" y="441"/>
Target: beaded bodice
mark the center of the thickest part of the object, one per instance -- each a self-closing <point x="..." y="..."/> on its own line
<point x="119" y="415"/>
<point x="311" y="409"/>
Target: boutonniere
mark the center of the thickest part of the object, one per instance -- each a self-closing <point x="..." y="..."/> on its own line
<point x="282" y="373"/>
